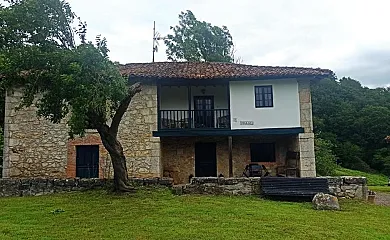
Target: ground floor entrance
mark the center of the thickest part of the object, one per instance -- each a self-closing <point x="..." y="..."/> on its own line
<point x="87" y="161"/>
<point x="205" y="159"/>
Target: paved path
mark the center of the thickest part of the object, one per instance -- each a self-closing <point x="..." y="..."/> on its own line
<point x="382" y="199"/>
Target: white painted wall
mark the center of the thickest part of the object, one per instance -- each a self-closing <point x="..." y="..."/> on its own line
<point x="176" y="97"/>
<point x="284" y="113"/>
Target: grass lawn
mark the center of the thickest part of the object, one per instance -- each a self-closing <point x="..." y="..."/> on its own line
<point x="372" y="179"/>
<point x="157" y="214"/>
<point x="384" y="189"/>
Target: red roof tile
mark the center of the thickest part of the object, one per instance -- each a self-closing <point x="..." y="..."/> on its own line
<point x="214" y="70"/>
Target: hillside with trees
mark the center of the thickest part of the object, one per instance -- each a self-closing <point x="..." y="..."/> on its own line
<point x="351" y="123"/>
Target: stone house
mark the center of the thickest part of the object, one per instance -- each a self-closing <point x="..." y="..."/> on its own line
<point x="199" y="119"/>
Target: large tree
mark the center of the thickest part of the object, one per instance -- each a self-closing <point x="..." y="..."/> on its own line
<point x="65" y="80"/>
<point x="356" y="120"/>
<point x="194" y="40"/>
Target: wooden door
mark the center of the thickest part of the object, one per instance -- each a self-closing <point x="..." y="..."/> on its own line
<point x="87" y="161"/>
<point x="204" y="111"/>
<point x="205" y="160"/>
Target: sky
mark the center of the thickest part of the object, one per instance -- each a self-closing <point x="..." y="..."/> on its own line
<point x="350" y="37"/>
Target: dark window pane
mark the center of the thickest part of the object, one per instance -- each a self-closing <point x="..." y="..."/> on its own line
<point x="262" y="152"/>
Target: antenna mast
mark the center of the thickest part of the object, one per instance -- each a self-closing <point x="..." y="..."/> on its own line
<point x="154" y="38"/>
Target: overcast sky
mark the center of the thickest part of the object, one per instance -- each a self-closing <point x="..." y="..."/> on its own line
<point x="352" y="38"/>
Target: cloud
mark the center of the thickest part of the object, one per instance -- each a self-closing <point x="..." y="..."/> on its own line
<point x="349" y="37"/>
<point x="371" y="65"/>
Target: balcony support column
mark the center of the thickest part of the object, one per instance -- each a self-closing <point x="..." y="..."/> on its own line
<point x="158" y="106"/>
<point x="230" y="146"/>
<point x="189" y="106"/>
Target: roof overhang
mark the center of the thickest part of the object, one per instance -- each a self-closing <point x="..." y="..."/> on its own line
<point x="215" y="72"/>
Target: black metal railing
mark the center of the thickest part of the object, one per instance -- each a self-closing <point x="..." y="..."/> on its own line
<point x="186" y="119"/>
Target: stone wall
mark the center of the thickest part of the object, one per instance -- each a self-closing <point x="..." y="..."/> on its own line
<point x="43" y="186"/>
<point x="348" y="187"/>
<point x="141" y="149"/>
<point x="306" y="140"/>
<point x="178" y="154"/>
<point x="220" y="186"/>
<point x="35" y="147"/>
<point x="32" y="147"/>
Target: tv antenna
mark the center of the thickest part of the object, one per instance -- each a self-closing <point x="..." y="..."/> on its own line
<point x="156" y="37"/>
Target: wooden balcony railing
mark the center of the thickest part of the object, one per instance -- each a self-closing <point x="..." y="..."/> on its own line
<point x="187" y="119"/>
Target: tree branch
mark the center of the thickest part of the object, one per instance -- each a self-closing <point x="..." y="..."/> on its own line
<point x="133" y="90"/>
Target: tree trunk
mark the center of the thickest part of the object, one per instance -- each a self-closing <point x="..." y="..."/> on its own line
<point x="111" y="143"/>
<point x="118" y="159"/>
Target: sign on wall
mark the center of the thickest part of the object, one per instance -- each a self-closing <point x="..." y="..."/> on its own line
<point x="247" y="123"/>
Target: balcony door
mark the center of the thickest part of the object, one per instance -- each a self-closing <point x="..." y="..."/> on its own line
<point x="204" y="111"/>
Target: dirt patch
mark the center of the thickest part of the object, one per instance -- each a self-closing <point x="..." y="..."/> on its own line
<point x="382" y="199"/>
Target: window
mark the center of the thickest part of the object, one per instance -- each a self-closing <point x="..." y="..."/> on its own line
<point x="262" y="152"/>
<point x="263" y="96"/>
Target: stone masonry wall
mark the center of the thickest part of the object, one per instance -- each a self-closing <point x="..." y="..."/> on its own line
<point x="178" y="154"/>
<point x="306" y="139"/>
<point x="141" y="149"/>
<point x="35" y="147"/>
<point x="348" y="187"/>
<point x="44" y="186"/>
<point x="220" y="186"/>
<point x="32" y="147"/>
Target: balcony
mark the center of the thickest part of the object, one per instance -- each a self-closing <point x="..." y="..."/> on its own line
<point x="194" y="119"/>
<point x="190" y="108"/>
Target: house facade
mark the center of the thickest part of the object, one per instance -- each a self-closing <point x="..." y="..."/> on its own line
<point x="191" y="119"/>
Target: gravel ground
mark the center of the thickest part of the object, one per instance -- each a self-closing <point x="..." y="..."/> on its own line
<point x="382" y="199"/>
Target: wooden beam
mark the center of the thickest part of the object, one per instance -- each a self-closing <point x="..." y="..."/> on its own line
<point x="230" y="146"/>
<point x="228" y="99"/>
<point x="158" y="106"/>
<point x="189" y="106"/>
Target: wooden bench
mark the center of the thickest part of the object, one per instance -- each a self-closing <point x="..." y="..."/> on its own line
<point x="292" y="186"/>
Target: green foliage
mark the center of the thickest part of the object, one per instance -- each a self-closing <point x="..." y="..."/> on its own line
<point x="355" y="119"/>
<point x="158" y="214"/>
<point x="38" y="52"/>
<point x="194" y="40"/>
<point x="1" y="150"/>
<point x="372" y="178"/>
<point x="325" y="160"/>
<point x="382" y="160"/>
<point x="351" y="156"/>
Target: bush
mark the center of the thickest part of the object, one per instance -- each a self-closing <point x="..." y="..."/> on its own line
<point x="351" y="156"/>
<point x="325" y="159"/>
<point x="381" y="160"/>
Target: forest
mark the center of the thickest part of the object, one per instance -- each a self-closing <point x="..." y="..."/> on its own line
<point x="351" y="123"/>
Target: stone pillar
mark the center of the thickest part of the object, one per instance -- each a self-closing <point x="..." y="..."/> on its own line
<point x="306" y="140"/>
<point x="141" y="149"/>
<point x="6" y="148"/>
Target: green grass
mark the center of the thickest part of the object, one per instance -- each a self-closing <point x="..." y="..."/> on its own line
<point x="372" y="179"/>
<point x="384" y="189"/>
<point x="157" y="214"/>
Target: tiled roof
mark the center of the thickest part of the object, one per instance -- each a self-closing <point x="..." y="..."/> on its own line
<point x="214" y="70"/>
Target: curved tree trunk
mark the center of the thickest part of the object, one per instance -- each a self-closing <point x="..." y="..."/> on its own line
<point x="118" y="159"/>
<point x="111" y="143"/>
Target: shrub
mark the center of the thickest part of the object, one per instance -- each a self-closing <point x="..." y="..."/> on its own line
<point x="325" y="159"/>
